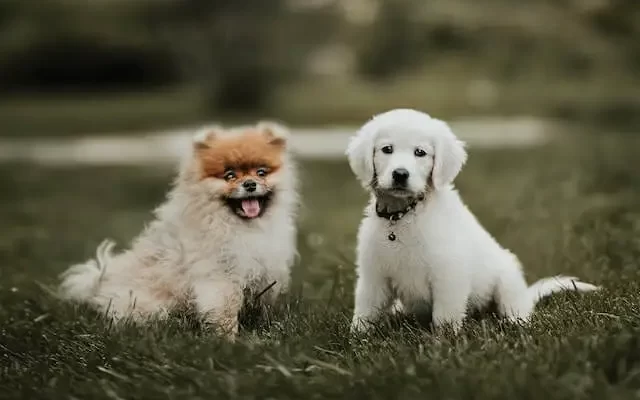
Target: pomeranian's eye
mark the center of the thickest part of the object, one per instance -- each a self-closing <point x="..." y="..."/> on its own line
<point x="229" y="175"/>
<point x="262" y="171"/>
<point x="419" y="152"/>
<point x="388" y="149"/>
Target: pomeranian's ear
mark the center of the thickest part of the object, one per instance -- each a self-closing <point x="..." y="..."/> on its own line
<point x="450" y="156"/>
<point x="277" y="134"/>
<point x="205" y="136"/>
<point x="360" y="155"/>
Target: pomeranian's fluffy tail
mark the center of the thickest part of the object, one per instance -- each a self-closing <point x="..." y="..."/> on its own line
<point x="547" y="286"/>
<point x="81" y="281"/>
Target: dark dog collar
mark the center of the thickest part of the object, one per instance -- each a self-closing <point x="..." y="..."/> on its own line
<point x="397" y="215"/>
<point x="394" y="217"/>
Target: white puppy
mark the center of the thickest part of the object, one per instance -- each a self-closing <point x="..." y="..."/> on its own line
<point x="226" y="228"/>
<point x="418" y="242"/>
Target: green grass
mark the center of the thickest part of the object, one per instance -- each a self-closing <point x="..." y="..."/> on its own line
<point x="571" y="207"/>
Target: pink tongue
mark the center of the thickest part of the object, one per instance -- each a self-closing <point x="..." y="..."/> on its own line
<point x="251" y="208"/>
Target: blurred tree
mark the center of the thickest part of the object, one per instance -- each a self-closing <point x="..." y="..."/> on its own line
<point x="239" y="51"/>
<point x="390" y="43"/>
<point x="62" y="45"/>
<point x="236" y="51"/>
<point x="620" y="21"/>
<point x="228" y="45"/>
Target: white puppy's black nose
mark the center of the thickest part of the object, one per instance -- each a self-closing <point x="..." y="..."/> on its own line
<point x="400" y="176"/>
<point x="249" y="185"/>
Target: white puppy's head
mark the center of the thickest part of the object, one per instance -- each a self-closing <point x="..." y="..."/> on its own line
<point x="404" y="152"/>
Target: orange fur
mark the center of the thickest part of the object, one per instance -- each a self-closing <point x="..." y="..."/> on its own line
<point x="244" y="154"/>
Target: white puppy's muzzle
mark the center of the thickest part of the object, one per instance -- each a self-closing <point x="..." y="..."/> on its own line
<point x="400" y="177"/>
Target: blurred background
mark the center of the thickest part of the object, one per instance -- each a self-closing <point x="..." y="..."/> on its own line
<point x="92" y="66"/>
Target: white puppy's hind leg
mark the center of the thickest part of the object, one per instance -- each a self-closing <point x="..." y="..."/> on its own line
<point x="512" y="296"/>
<point x="372" y="297"/>
<point x="450" y="301"/>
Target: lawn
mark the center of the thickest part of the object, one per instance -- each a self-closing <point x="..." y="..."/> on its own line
<point x="571" y="207"/>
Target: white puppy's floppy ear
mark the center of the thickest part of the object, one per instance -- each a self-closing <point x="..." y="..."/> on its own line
<point x="360" y="155"/>
<point x="450" y="156"/>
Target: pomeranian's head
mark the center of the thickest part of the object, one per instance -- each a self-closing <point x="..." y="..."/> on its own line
<point x="247" y="170"/>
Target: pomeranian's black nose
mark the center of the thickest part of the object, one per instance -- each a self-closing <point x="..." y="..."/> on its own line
<point x="400" y="176"/>
<point x="249" y="185"/>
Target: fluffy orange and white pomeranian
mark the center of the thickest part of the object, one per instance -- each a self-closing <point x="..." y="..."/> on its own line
<point x="226" y="230"/>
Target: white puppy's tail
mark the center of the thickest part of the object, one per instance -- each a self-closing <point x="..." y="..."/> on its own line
<point x="547" y="286"/>
<point x="81" y="281"/>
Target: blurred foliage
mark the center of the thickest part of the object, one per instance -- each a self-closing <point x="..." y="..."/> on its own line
<point x="73" y="46"/>
<point x="239" y="53"/>
<point x="241" y="50"/>
<point x="391" y="42"/>
<point x="619" y="20"/>
<point x="508" y="39"/>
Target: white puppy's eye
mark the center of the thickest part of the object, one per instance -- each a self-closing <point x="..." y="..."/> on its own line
<point x="418" y="152"/>
<point x="388" y="149"/>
